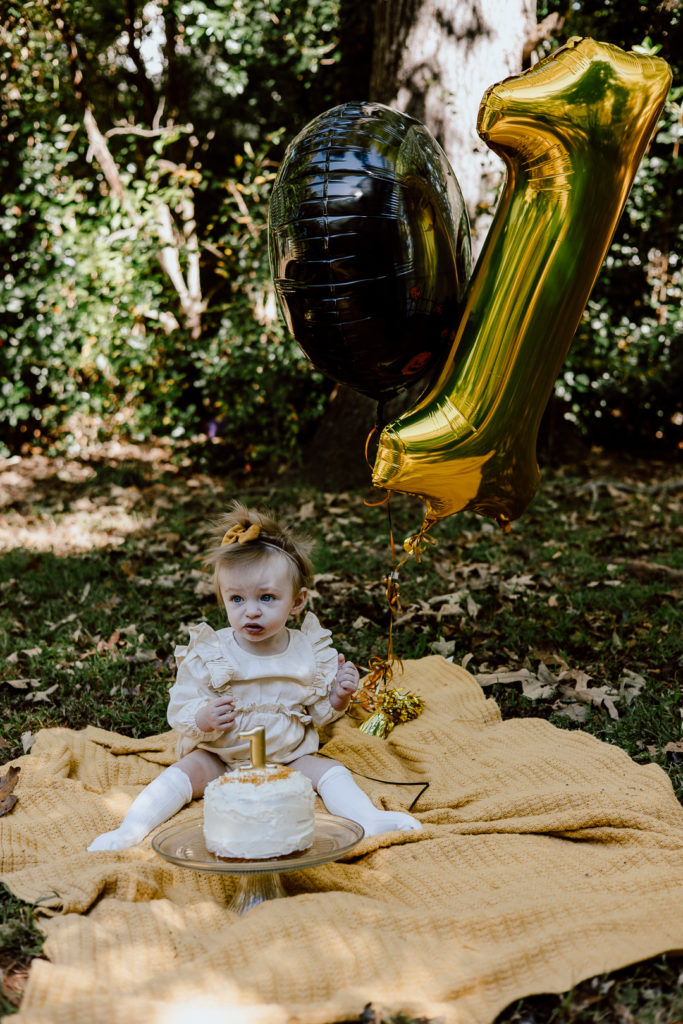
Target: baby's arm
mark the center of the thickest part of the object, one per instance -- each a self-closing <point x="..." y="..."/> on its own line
<point x="195" y="710"/>
<point x="345" y="685"/>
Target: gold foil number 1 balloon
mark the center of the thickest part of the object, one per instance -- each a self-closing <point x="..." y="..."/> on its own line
<point x="571" y="132"/>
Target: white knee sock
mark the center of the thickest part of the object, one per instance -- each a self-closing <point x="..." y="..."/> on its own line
<point x="160" y="800"/>
<point x="342" y="796"/>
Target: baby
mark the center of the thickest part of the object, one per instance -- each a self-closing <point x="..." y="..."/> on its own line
<point x="256" y="672"/>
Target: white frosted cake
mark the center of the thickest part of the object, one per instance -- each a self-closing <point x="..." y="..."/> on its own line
<point x="254" y="813"/>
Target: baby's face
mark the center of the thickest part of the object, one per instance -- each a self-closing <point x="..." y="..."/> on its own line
<point x="259" y="599"/>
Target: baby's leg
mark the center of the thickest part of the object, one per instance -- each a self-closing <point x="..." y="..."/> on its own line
<point x="163" y="798"/>
<point x="342" y="796"/>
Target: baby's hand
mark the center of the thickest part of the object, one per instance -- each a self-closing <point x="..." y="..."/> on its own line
<point x="345" y="685"/>
<point x="218" y="714"/>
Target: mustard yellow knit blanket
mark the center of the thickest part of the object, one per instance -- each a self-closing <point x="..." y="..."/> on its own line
<point x="546" y="857"/>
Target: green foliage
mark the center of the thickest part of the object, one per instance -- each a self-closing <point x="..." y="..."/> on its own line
<point x="147" y="307"/>
<point x="255" y="382"/>
<point x="624" y="373"/>
<point x="623" y="377"/>
<point x="141" y="297"/>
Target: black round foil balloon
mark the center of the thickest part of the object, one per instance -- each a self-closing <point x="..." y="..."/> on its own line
<point x="369" y="247"/>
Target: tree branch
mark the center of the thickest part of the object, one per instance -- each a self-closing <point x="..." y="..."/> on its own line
<point x="141" y="79"/>
<point x="189" y="292"/>
<point x="547" y="28"/>
<point x="244" y="210"/>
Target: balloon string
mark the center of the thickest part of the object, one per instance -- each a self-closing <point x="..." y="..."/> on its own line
<point x="381" y="669"/>
<point x="374" y="504"/>
<point x="377" y="504"/>
<point x="367" y="444"/>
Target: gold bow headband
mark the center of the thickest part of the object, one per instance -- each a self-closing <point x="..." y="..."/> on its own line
<point x="241" y="535"/>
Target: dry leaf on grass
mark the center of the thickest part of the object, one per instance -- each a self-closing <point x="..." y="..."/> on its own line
<point x="7" y="784"/>
<point x="581" y="691"/>
<point x="513" y="676"/>
<point x="630" y="684"/>
<point x="535" y="685"/>
<point x="443" y="647"/>
<point x="307" y="511"/>
<point x="40" y="695"/>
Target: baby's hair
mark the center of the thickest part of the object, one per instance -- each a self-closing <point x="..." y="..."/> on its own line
<point x="272" y="538"/>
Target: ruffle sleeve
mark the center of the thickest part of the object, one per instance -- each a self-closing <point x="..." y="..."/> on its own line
<point x="324" y="654"/>
<point x="206" y="648"/>
<point x="204" y="669"/>
<point x="326" y="666"/>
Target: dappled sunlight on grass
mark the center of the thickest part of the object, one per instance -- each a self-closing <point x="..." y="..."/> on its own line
<point x="71" y="506"/>
<point x="71" y="532"/>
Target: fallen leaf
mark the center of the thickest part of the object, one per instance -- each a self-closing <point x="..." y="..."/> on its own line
<point x="107" y="645"/>
<point x="325" y="577"/>
<point x="361" y="622"/>
<point x="517" y="584"/>
<point x="448" y="609"/>
<point x="580" y="677"/>
<point x="443" y="647"/>
<point x="41" y="695"/>
<point x="534" y="689"/>
<point x="204" y="588"/>
<point x="675" y="747"/>
<point x="652" y="570"/>
<point x="600" y="696"/>
<point x="492" y="678"/>
<point x="21" y="684"/>
<point x="546" y="677"/>
<point x="63" y="622"/>
<point x="7" y="784"/>
<point x="630" y="684"/>
<point x="27" y="741"/>
<point x="145" y="655"/>
<point x="549" y="658"/>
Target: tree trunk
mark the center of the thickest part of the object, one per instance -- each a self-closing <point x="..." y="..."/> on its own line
<point x="334" y="459"/>
<point x="434" y="59"/>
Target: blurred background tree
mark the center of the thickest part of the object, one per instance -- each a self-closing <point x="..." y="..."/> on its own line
<point x="139" y="145"/>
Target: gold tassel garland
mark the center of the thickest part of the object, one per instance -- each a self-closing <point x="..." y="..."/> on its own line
<point x="396" y="706"/>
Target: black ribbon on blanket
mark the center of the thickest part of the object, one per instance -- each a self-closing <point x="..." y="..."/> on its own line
<point x="385" y="782"/>
<point x="389" y="782"/>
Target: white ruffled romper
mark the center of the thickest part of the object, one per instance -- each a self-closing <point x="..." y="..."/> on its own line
<point x="287" y="693"/>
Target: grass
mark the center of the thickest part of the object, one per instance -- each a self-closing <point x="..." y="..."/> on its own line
<point x="99" y="571"/>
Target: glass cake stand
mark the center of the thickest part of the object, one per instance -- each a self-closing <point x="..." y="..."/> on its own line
<point x="258" y="880"/>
